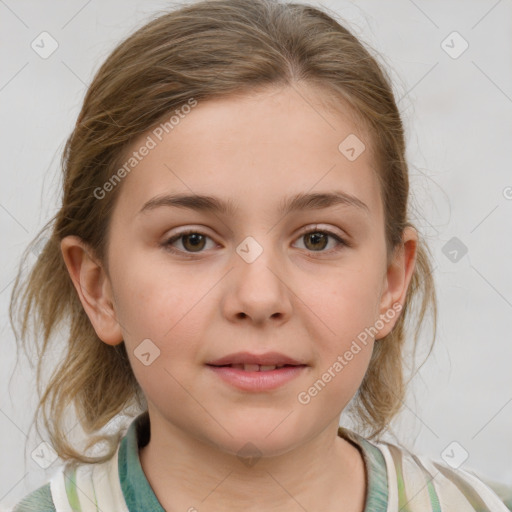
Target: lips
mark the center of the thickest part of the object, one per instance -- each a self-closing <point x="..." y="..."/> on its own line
<point x="255" y="378"/>
<point x="255" y="367"/>
<point x="256" y="362"/>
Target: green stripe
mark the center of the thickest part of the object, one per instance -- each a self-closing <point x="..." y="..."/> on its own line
<point x="70" y="479"/>
<point x="95" y="497"/>
<point x="434" y="500"/>
<point x="137" y="492"/>
<point x="376" y="471"/>
<point x="432" y="494"/>
<point x="402" y="495"/>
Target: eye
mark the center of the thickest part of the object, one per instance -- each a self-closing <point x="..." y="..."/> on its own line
<point x="316" y="240"/>
<point x="193" y="242"/>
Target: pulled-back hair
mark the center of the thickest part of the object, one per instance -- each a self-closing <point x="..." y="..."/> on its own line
<point x="202" y="50"/>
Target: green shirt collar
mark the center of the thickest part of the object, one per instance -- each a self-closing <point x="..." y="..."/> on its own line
<point x="139" y="495"/>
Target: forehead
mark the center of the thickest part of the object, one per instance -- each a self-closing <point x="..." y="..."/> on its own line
<point x="253" y="150"/>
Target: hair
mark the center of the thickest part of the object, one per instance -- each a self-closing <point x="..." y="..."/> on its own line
<point x="203" y="50"/>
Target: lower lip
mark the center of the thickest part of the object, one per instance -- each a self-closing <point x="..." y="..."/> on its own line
<point x="257" y="381"/>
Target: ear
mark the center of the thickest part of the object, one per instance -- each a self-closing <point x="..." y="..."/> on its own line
<point x="396" y="282"/>
<point x="93" y="287"/>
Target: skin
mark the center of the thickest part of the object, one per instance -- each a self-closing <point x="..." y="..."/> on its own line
<point x="309" y="304"/>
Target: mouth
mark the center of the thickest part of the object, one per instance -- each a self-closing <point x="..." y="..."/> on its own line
<point x="256" y="378"/>
<point x="249" y="361"/>
<point x="257" y="373"/>
<point x="256" y="367"/>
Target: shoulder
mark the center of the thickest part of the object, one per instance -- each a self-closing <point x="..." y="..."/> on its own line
<point x="401" y="480"/>
<point x="422" y="483"/>
<point x="503" y="491"/>
<point x="73" y="485"/>
<point x="39" y="500"/>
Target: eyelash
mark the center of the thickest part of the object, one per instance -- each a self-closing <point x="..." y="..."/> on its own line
<point x="167" y="244"/>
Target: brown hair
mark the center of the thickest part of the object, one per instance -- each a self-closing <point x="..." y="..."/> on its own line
<point x="202" y="50"/>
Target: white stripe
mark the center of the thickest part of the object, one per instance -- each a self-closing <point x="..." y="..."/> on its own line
<point x="108" y="486"/>
<point x="416" y="483"/>
<point x="93" y="482"/>
<point x="58" y="489"/>
<point x="392" y="483"/>
<point x="488" y="496"/>
<point x="492" y="500"/>
<point x="84" y="488"/>
<point x="448" y="492"/>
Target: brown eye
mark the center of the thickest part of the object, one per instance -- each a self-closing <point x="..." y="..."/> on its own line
<point x="317" y="241"/>
<point x="191" y="242"/>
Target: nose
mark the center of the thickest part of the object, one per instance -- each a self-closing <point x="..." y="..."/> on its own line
<point x="257" y="289"/>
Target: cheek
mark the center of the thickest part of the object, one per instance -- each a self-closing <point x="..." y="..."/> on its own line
<point x="160" y="314"/>
<point x="342" y="304"/>
<point x="155" y="301"/>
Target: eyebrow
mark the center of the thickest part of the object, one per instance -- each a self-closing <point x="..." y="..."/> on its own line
<point x="205" y="203"/>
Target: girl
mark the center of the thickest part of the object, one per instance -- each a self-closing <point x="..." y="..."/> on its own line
<point x="234" y="257"/>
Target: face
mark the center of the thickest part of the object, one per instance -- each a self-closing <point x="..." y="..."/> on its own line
<point x="304" y="282"/>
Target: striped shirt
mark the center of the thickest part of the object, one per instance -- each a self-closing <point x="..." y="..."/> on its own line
<point x="397" y="481"/>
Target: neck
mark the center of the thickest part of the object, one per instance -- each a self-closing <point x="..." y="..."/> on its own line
<point x="186" y="473"/>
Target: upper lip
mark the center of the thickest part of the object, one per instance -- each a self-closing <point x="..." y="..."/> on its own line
<point x="266" y="359"/>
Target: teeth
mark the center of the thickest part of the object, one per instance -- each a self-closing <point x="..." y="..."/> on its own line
<point x="251" y="367"/>
<point x="255" y="367"/>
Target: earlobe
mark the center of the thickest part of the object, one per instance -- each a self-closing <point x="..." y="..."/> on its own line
<point x="397" y="280"/>
<point x="93" y="288"/>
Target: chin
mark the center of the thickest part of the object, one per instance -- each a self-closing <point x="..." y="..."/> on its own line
<point x="256" y="439"/>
